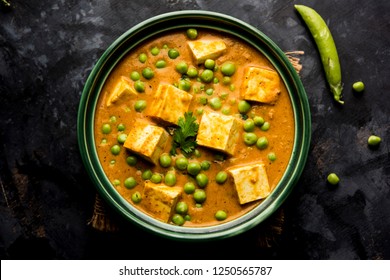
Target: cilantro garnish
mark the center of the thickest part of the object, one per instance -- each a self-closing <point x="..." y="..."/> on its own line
<point x="184" y="136"/>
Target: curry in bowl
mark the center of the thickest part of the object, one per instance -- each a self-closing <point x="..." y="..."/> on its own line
<point x="194" y="127"/>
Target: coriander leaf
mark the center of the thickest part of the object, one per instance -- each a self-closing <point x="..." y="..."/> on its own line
<point x="185" y="133"/>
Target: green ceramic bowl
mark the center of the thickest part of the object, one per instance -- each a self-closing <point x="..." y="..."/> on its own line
<point x="207" y="20"/>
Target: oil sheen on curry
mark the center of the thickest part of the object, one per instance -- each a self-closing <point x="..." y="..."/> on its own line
<point x="194" y="128"/>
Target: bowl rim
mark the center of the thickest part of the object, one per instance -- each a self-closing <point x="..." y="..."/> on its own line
<point x="208" y="20"/>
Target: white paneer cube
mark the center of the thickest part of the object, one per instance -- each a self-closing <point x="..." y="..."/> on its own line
<point x="206" y="49"/>
<point x="146" y="140"/>
<point x="219" y="132"/>
<point x="122" y="91"/>
<point x="261" y="85"/>
<point x="160" y="200"/>
<point x="251" y="182"/>
<point x="169" y="104"/>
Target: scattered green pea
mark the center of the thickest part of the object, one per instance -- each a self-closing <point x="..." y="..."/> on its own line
<point x="226" y="80"/>
<point x="155" y="51"/>
<point x="136" y="197"/>
<point x="203" y="100"/>
<point x="262" y="143"/>
<point x="207" y="76"/>
<point x="209" y="91"/>
<point x="115" y="150"/>
<point x="131" y="160"/>
<point x="373" y="140"/>
<point x="250" y="138"/>
<point x="358" y="86"/>
<point x="135" y="76"/>
<point x="192" y="72"/>
<point x="194" y="168"/>
<point x="182" y="67"/>
<point x="184" y="84"/>
<point x="161" y="64"/>
<point x="122" y="138"/>
<point x="221" y="177"/>
<point x="156" y="178"/>
<point x="265" y="126"/>
<point x="259" y="121"/>
<point x="121" y="127"/>
<point x="228" y="68"/>
<point x="243" y="106"/>
<point x="106" y="128"/>
<point x="220" y="215"/>
<point x="272" y="156"/>
<point x="139" y="86"/>
<point x="197" y="153"/>
<point x="187" y="217"/>
<point x="181" y="163"/>
<point x="202" y="180"/>
<point x="209" y="63"/>
<point x="205" y="165"/>
<point x="199" y="196"/>
<point x="333" y="179"/>
<point x="178" y="219"/>
<point x="249" y="125"/>
<point x="192" y="33"/>
<point x="215" y="103"/>
<point x="189" y="188"/>
<point x="147" y="174"/>
<point x="130" y="182"/>
<point x="112" y="119"/>
<point x="140" y="105"/>
<point x="116" y="182"/>
<point x="181" y="208"/>
<point x="165" y="160"/>
<point x="148" y="73"/>
<point x="215" y="80"/>
<point x="226" y="110"/>
<point x="112" y="162"/>
<point x="170" y="179"/>
<point x="173" y="53"/>
<point x="143" y="57"/>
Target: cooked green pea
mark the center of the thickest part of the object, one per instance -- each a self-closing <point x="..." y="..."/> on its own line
<point x="155" y="51"/>
<point x="373" y="140"/>
<point x="192" y="72"/>
<point x="199" y="196"/>
<point x="116" y="182"/>
<point x="182" y="67"/>
<point x="207" y="76"/>
<point x="259" y="121"/>
<point x="112" y="119"/>
<point x="135" y="76"/>
<point x="131" y="160"/>
<point x="143" y="57"/>
<point x="136" y="197"/>
<point x="228" y="68"/>
<point x="249" y="125"/>
<point x="147" y="174"/>
<point x="202" y="180"/>
<point x="197" y="153"/>
<point x="148" y="73"/>
<point x="173" y="53"/>
<point x="250" y="138"/>
<point x="226" y="110"/>
<point x="106" y="128"/>
<point x="181" y="208"/>
<point x="215" y="103"/>
<point x="192" y="33"/>
<point x="221" y="177"/>
<point x="140" y="105"/>
<point x="121" y="127"/>
<point x="272" y="156"/>
<point x="226" y="80"/>
<point x="262" y="143"/>
<point x="209" y="91"/>
<point x="122" y="138"/>
<point x="156" y="178"/>
<point x="178" y="219"/>
<point x="187" y="217"/>
<point x="220" y="215"/>
<point x="181" y="163"/>
<point x="358" y="86"/>
<point x="139" y="86"/>
<point x="203" y="100"/>
<point x="333" y="179"/>
<point x="161" y="64"/>
<point x="265" y="126"/>
<point x="130" y="182"/>
<point x="104" y="141"/>
<point x="215" y="80"/>
<point x="194" y="168"/>
<point x="243" y="106"/>
<point x="170" y="179"/>
<point x="205" y="165"/>
<point x="184" y="84"/>
<point x="115" y="150"/>
<point x="165" y="46"/>
<point x="165" y="160"/>
<point x="189" y="188"/>
<point x="209" y="63"/>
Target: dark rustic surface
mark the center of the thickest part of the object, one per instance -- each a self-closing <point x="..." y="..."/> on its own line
<point x="47" y="50"/>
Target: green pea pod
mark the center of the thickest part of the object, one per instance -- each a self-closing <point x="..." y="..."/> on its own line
<point x="326" y="47"/>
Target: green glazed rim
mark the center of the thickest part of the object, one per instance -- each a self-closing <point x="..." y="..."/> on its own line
<point x="205" y="20"/>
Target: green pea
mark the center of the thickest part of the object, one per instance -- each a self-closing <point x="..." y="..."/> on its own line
<point x="106" y="128"/>
<point x="197" y="153"/>
<point x="170" y="179"/>
<point x="161" y="64"/>
<point x="156" y="178"/>
<point x="226" y="110"/>
<point x="209" y="63"/>
<point x="104" y="141"/>
<point x="115" y="150"/>
<point x="139" y="86"/>
<point x="199" y="111"/>
<point x="333" y="179"/>
<point x="249" y="125"/>
<point x="262" y="143"/>
<point x="243" y="106"/>
<point x="189" y="188"/>
<point x="130" y="182"/>
<point x="192" y="72"/>
<point x="203" y="100"/>
<point x="112" y="119"/>
<point x="184" y="84"/>
<point x="116" y="182"/>
<point x="194" y="168"/>
<point x="147" y="174"/>
<point x="181" y="163"/>
<point x="135" y="76"/>
<point x="173" y="53"/>
<point x="136" y="197"/>
<point x="250" y="138"/>
<point x="205" y="165"/>
<point x="131" y="160"/>
<point x="199" y="196"/>
<point x="215" y="103"/>
<point x="209" y="91"/>
<point x="265" y="126"/>
<point x="178" y="219"/>
<point x="272" y="156"/>
<point x="140" y="105"/>
<point x="143" y="57"/>
<point x="122" y="138"/>
<point x="155" y="51"/>
<point x="165" y="160"/>
<point x="228" y="68"/>
<point x="207" y="76"/>
<point x="373" y="140"/>
<point x="202" y="180"/>
<point x="358" y="86"/>
<point x="259" y="121"/>
<point x="187" y="217"/>
<point x="192" y="33"/>
<point x="165" y="46"/>
<point x="226" y="80"/>
<point x="148" y="73"/>
<point x="121" y="127"/>
<point x="215" y="80"/>
<point x="182" y="67"/>
<point x="220" y="215"/>
<point x="181" y="208"/>
<point x="221" y="177"/>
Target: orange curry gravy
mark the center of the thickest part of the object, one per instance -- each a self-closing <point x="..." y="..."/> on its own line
<point x="219" y="197"/>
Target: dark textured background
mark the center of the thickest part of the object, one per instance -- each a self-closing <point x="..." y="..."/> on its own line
<point x="47" y="50"/>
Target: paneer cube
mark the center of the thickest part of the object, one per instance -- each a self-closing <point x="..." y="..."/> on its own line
<point x="206" y="49"/>
<point x="169" y="104"/>
<point x="146" y="140"/>
<point x="251" y="182"/>
<point x="261" y="85"/>
<point x="219" y="132"/>
<point x="160" y="200"/>
<point x="122" y="91"/>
